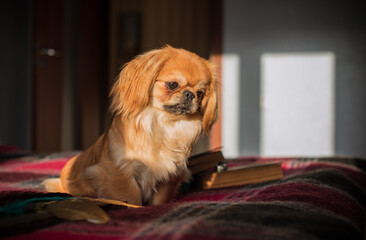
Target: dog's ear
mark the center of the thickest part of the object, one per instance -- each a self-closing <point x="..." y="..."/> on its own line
<point x="130" y="93"/>
<point x="210" y="103"/>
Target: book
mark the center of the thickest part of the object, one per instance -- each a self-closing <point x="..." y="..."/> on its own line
<point x="205" y="161"/>
<point x="206" y="176"/>
<point x="255" y="173"/>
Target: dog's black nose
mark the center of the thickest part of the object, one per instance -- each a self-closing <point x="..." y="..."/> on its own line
<point x="188" y="94"/>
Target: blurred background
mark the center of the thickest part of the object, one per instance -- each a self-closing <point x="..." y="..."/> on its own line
<point x="292" y="73"/>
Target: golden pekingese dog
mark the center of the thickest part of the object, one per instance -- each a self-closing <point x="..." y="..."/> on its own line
<point x="162" y="102"/>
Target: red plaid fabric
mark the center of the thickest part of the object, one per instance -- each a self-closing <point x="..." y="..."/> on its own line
<point x="315" y="200"/>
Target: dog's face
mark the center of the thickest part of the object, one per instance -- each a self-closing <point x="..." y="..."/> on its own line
<point x="172" y="80"/>
<point x="182" y="85"/>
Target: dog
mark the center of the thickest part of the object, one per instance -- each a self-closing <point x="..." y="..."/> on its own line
<point x="162" y="101"/>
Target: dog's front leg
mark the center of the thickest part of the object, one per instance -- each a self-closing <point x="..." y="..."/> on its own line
<point x="110" y="183"/>
<point x="166" y="191"/>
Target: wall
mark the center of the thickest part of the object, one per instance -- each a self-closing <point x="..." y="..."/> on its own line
<point x="15" y="73"/>
<point x="252" y="28"/>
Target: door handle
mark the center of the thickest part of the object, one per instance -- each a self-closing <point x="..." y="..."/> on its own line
<point x="50" y="52"/>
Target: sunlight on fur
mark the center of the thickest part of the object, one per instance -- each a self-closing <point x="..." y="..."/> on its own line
<point x="162" y="102"/>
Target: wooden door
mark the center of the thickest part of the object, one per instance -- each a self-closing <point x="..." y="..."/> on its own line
<point x="48" y="74"/>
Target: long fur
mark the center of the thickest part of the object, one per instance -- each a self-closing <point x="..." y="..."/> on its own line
<point x="141" y="158"/>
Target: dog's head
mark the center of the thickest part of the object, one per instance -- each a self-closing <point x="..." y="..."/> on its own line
<point x="168" y="79"/>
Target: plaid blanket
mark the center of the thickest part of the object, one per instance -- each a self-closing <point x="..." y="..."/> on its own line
<point x="315" y="200"/>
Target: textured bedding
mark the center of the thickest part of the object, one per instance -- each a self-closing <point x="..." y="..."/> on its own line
<point x="316" y="199"/>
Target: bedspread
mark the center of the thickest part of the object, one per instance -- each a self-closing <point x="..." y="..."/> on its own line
<point x="316" y="199"/>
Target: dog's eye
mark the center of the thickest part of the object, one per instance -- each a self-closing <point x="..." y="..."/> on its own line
<point x="199" y="94"/>
<point x="172" y="85"/>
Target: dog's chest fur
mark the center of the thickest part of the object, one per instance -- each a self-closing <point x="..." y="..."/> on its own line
<point x="155" y="146"/>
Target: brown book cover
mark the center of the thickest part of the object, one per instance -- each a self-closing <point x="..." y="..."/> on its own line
<point x="255" y="173"/>
<point x="204" y="161"/>
<point x="204" y="177"/>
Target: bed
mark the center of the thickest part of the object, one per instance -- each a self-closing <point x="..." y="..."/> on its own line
<point x="317" y="199"/>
